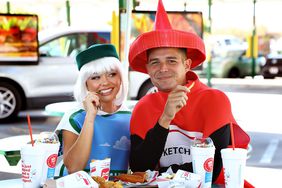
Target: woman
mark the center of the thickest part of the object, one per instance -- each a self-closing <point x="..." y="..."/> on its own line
<point x="100" y="129"/>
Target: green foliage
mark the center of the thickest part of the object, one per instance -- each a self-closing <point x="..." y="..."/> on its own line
<point x="8" y="23"/>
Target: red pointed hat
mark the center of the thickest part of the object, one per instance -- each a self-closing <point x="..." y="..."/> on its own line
<point x="164" y="36"/>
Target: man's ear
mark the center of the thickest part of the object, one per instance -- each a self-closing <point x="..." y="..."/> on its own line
<point x="188" y="63"/>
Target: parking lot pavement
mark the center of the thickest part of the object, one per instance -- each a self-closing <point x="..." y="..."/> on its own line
<point x="247" y="85"/>
<point x="263" y="177"/>
<point x="257" y="112"/>
<point x="6" y="175"/>
<point x="258" y="81"/>
<point x="39" y="120"/>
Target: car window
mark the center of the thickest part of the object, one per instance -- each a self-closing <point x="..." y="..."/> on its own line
<point x="60" y="47"/>
<point x="99" y="38"/>
<point x="72" y="44"/>
<point x="227" y="42"/>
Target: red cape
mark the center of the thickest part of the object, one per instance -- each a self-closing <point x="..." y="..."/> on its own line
<point x="206" y="111"/>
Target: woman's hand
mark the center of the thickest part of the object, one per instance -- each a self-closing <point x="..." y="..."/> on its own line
<point x="91" y="102"/>
<point x="77" y="149"/>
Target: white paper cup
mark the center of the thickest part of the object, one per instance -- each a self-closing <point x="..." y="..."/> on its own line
<point x="50" y="160"/>
<point x="32" y="159"/>
<point x="234" y="163"/>
<point x="202" y="160"/>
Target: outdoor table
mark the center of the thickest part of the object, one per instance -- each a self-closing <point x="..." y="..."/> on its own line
<point x="254" y="175"/>
<point x="59" y="108"/>
<point x="17" y="183"/>
<point x="11" y="183"/>
<point x="10" y="152"/>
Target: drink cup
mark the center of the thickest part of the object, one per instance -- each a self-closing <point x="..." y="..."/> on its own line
<point x="32" y="159"/>
<point x="202" y="151"/>
<point x="234" y="163"/>
<point x="49" y="142"/>
<point x="50" y="161"/>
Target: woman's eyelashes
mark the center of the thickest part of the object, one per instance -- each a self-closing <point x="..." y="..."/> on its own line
<point x="112" y="74"/>
<point x="97" y="77"/>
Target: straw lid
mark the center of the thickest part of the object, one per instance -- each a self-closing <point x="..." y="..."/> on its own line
<point x="164" y="36"/>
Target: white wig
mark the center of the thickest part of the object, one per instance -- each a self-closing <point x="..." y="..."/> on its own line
<point x="100" y="66"/>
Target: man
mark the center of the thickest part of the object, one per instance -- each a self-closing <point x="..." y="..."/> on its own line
<point x="163" y="124"/>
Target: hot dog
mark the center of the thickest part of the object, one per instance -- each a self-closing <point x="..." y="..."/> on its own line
<point x="136" y="177"/>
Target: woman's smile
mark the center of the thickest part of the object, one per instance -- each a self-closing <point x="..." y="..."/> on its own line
<point x="105" y="92"/>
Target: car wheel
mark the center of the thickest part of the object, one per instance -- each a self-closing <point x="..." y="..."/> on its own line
<point x="234" y="73"/>
<point x="10" y="102"/>
<point x="145" y="89"/>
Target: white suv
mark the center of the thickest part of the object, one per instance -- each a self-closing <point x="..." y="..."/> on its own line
<point x="32" y="86"/>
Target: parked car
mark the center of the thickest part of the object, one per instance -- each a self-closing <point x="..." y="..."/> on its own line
<point x="233" y="64"/>
<point x="272" y="67"/>
<point x="29" y="86"/>
<point x="221" y="44"/>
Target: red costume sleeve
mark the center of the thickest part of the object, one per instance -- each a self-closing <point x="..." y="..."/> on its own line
<point x="145" y="115"/>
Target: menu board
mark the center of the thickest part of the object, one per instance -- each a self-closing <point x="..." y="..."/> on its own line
<point x="18" y="38"/>
<point x="143" y="21"/>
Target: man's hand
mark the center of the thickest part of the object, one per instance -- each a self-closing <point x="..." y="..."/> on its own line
<point x="176" y="100"/>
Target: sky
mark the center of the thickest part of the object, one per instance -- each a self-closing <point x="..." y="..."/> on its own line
<point x="231" y="13"/>
<point x="237" y="14"/>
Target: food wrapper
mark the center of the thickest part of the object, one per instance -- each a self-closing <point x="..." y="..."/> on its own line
<point x="100" y="168"/>
<point x="180" y="179"/>
<point x="78" y="179"/>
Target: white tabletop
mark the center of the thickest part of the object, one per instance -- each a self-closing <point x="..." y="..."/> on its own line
<point x="13" y="143"/>
<point x="12" y="183"/>
<point x="17" y="183"/>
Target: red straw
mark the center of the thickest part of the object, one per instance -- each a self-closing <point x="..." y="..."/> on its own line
<point x="30" y="129"/>
<point x="232" y="135"/>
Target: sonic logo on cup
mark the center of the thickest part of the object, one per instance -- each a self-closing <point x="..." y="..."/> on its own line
<point x="208" y="164"/>
<point x="51" y="163"/>
<point x="52" y="160"/>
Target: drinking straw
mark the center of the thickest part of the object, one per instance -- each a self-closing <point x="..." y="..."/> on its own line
<point x="232" y="135"/>
<point x="30" y="129"/>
